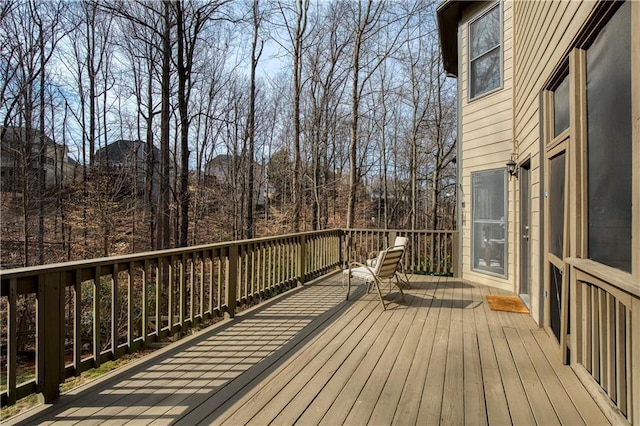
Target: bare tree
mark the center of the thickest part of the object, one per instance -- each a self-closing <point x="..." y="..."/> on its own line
<point x="295" y="23"/>
<point x="327" y="68"/>
<point x="256" y="52"/>
<point x="32" y="33"/>
<point x="190" y="18"/>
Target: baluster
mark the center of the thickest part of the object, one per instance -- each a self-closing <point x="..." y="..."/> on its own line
<point x="623" y="339"/>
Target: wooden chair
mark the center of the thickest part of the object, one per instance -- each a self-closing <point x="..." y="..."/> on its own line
<point x="386" y="268"/>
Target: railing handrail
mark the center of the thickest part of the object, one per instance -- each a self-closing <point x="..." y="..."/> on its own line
<point x="141" y="256"/>
<point x="397" y="230"/>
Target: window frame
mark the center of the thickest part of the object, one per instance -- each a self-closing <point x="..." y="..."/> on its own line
<point x="505" y="224"/>
<point x="500" y="48"/>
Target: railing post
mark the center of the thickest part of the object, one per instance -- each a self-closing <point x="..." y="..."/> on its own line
<point x="392" y="238"/>
<point x="77" y="326"/>
<point x="348" y="243"/>
<point x="12" y="341"/>
<point x="454" y="255"/>
<point x="50" y="335"/>
<point x="232" y="281"/>
<point x="339" y="248"/>
<point x="97" y="338"/>
<point x="182" y="291"/>
<point x="115" y="310"/>
<point x="145" y="304"/>
<point x="302" y="260"/>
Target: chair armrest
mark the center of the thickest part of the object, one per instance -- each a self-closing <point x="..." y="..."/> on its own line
<point x="359" y="265"/>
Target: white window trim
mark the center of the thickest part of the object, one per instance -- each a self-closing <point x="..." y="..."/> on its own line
<point x="501" y="47"/>
<point x="505" y="273"/>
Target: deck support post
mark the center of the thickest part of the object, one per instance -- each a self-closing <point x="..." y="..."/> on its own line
<point x="50" y="335"/>
<point x="232" y="281"/>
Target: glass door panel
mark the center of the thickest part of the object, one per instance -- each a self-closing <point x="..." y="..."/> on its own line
<point x="556" y="229"/>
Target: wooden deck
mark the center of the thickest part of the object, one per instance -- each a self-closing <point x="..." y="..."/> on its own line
<point x="309" y="357"/>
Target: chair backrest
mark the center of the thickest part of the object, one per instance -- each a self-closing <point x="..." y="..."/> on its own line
<point x="401" y="242"/>
<point x="388" y="261"/>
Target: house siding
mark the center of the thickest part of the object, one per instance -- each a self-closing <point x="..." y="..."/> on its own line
<point x="538" y="55"/>
<point x="486" y="139"/>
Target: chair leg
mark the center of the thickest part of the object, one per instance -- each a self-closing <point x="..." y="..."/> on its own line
<point x="399" y="285"/>
<point x="348" y="284"/>
<point x="380" y="294"/>
<point x="405" y="278"/>
<point x="369" y="285"/>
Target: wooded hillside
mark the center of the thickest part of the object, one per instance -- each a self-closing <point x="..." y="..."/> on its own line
<point x="141" y="125"/>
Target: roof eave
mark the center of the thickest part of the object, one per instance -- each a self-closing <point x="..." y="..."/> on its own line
<point x="448" y="17"/>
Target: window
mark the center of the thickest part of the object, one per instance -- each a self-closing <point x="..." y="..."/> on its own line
<point x="561" y="107"/>
<point x="489" y="225"/>
<point x="556" y="195"/>
<point x="609" y="143"/>
<point x="485" y="53"/>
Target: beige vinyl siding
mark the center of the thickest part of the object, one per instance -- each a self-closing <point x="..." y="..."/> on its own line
<point x="488" y="117"/>
<point x="539" y="52"/>
<point x="487" y="141"/>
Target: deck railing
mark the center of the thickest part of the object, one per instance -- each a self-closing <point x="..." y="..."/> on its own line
<point x="429" y="252"/>
<point x="605" y="308"/>
<point x="77" y="315"/>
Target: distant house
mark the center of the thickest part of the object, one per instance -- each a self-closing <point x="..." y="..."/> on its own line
<point x="126" y="161"/>
<point x="19" y="158"/>
<point x="223" y="168"/>
<point x="549" y="173"/>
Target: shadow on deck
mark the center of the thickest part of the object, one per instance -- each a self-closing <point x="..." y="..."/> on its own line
<point x="309" y="357"/>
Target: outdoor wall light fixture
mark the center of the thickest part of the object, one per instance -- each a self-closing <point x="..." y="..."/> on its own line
<point x="512" y="168"/>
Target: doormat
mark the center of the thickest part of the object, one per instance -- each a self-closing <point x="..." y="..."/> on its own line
<point x="507" y="304"/>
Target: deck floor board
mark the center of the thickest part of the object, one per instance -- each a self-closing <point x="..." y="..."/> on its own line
<point x="441" y="356"/>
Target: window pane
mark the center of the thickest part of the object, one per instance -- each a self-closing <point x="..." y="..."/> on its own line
<point x="556" y="204"/>
<point x="609" y="173"/>
<point x="485" y="73"/>
<point x="485" y="33"/>
<point x="561" y="107"/>
<point x="489" y="214"/>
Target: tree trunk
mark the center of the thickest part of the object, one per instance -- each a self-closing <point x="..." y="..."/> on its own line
<point x="183" y="71"/>
<point x="163" y="230"/>
<point x="251" y="128"/>
<point x="301" y="25"/>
